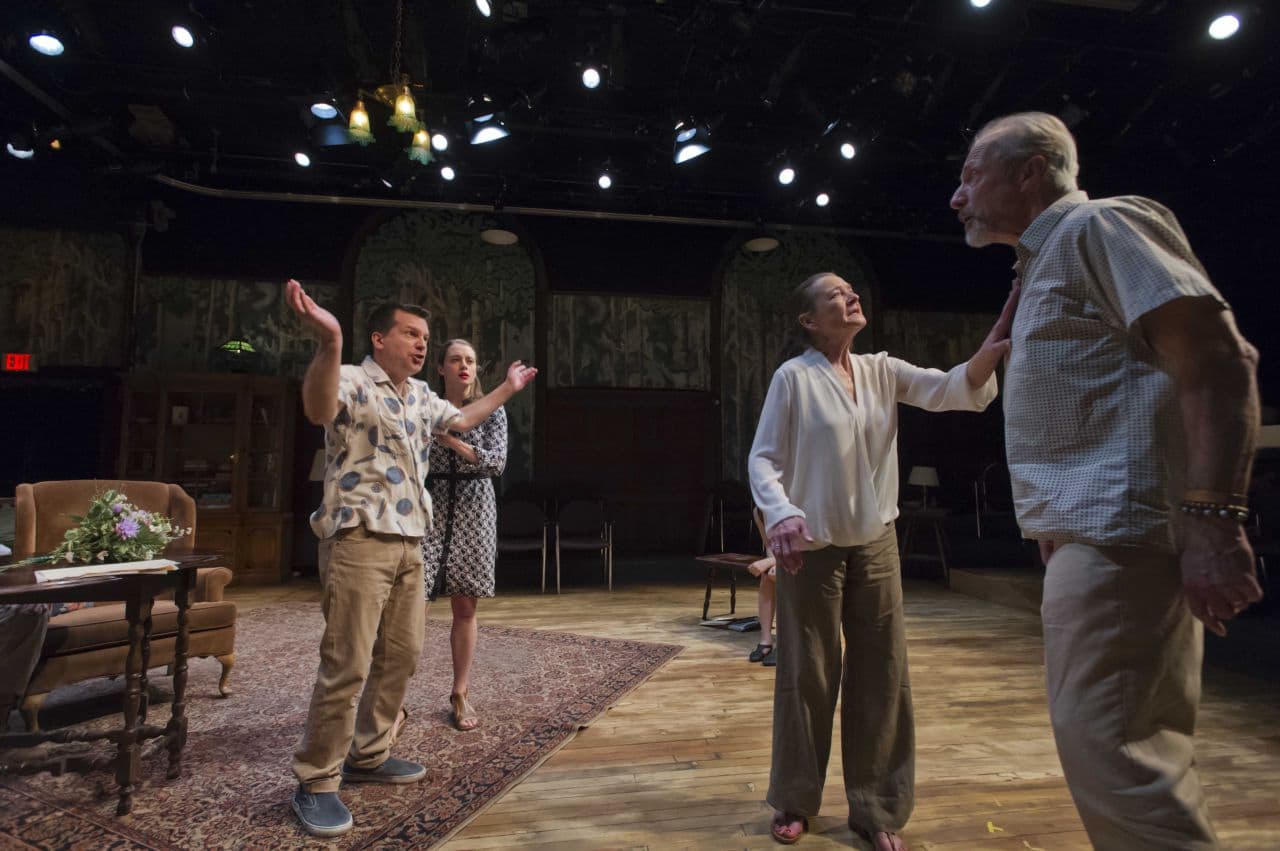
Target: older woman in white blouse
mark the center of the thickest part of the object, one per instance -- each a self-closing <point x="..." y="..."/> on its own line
<point x="824" y="471"/>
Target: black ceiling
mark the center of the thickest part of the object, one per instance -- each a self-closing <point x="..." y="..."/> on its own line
<point x="1158" y="106"/>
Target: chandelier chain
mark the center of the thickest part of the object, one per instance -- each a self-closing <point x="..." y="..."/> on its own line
<point x="395" y="60"/>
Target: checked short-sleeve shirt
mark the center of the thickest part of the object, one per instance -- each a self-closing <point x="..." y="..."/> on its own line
<point x="376" y="454"/>
<point x="1092" y="428"/>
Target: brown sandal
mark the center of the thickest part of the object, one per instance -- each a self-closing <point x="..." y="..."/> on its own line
<point x="462" y="712"/>
<point x="781" y="821"/>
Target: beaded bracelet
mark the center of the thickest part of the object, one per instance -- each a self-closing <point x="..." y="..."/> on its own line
<point x="1239" y="513"/>
<point x="1202" y="496"/>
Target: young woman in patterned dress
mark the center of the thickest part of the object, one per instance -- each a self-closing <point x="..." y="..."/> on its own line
<point x="459" y="551"/>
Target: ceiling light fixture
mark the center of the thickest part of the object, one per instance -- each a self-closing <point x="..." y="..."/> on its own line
<point x="302" y="159"/>
<point x="396" y="94"/>
<point x="499" y="236"/>
<point x="979" y="4"/>
<point x="19" y="148"/>
<point x="490" y="131"/>
<point x="604" y="181"/>
<point x="447" y="172"/>
<point x="182" y="36"/>
<point x="484" y="8"/>
<point x="692" y="140"/>
<point x="591" y="77"/>
<point x="46" y="43"/>
<point x="486" y="124"/>
<point x="439" y="141"/>
<point x="848" y="151"/>
<point x="1224" y="26"/>
<point x="787" y="175"/>
<point x="822" y="200"/>
<point x="760" y="244"/>
<point x="325" y="110"/>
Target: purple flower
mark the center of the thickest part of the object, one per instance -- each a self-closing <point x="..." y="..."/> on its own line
<point x="127" y="528"/>
<point x="117" y="508"/>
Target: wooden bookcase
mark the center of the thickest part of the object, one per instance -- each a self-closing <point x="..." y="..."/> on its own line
<point x="228" y="441"/>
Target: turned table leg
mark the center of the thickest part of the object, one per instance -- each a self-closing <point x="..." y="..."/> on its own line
<point x="129" y="750"/>
<point x="176" y="731"/>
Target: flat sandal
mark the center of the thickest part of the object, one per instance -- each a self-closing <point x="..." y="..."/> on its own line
<point x="462" y="711"/>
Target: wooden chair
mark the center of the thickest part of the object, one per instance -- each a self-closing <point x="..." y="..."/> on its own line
<point x="94" y="642"/>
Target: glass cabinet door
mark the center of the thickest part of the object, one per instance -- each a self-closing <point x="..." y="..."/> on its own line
<point x="141" y="435"/>
<point x="200" y="448"/>
<point x="266" y="452"/>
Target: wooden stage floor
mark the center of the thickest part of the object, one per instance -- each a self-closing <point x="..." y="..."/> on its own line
<point x="683" y="762"/>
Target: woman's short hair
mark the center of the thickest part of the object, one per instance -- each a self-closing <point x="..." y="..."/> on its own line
<point x="1016" y="138"/>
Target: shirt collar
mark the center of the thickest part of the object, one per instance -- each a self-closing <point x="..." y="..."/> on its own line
<point x="377" y="373"/>
<point x="1038" y="231"/>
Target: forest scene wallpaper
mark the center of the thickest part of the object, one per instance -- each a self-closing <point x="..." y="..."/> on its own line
<point x="480" y="292"/>
<point x="65" y="296"/>
<point x="183" y="322"/>
<point x="650" y="342"/>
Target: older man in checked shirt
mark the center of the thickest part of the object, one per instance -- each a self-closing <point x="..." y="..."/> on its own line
<point x="1131" y="414"/>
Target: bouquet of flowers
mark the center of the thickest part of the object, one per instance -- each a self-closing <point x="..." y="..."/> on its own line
<point x="114" y="530"/>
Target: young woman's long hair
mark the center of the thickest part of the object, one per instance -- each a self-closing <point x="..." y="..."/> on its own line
<point x="796" y="339"/>
<point x="474" y="391"/>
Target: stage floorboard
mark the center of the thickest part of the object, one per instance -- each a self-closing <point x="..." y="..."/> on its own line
<point x="683" y="761"/>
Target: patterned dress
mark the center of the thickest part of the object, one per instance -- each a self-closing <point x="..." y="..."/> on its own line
<point x="460" y="549"/>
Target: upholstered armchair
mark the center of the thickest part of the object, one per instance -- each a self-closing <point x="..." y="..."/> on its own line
<point x="94" y="642"/>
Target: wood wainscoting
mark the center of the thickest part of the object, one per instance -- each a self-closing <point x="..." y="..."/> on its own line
<point x="651" y="454"/>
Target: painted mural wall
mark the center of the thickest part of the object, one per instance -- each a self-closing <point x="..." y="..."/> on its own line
<point x="474" y="290"/>
<point x="182" y="322"/>
<point x="64" y="296"/>
<point x="935" y="339"/>
<point x="630" y="341"/>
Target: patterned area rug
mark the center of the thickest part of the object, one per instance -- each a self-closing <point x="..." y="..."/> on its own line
<point x="533" y="691"/>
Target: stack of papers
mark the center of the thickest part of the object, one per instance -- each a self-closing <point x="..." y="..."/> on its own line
<point x="79" y="571"/>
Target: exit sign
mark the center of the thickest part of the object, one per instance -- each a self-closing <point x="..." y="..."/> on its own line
<point x="18" y="362"/>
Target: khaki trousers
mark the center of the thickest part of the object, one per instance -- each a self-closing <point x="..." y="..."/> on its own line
<point x="374" y="617"/>
<point x="857" y="590"/>
<point x="1122" y="666"/>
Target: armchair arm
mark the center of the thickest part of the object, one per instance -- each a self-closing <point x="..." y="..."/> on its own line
<point x="209" y="584"/>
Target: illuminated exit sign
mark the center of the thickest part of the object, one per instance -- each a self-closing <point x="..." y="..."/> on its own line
<point x="18" y="362"/>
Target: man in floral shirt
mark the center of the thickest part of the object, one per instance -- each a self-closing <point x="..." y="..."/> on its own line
<point x="377" y="420"/>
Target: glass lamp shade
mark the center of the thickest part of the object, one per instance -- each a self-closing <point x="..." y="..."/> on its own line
<point x="420" y="150"/>
<point x="405" y="115"/>
<point x="358" y="126"/>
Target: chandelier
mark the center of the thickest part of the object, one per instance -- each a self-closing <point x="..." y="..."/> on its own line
<point x="397" y="94"/>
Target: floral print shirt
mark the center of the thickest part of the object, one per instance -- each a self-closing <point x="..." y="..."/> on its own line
<point x="376" y="454"/>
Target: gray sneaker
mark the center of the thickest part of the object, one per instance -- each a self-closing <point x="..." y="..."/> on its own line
<point x="321" y="813"/>
<point x="392" y="771"/>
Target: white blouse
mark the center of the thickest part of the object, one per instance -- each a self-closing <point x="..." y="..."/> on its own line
<point x="822" y="456"/>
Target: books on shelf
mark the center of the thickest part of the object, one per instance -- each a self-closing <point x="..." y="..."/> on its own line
<point x="79" y="571"/>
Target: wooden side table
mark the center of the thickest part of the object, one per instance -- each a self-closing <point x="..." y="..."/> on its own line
<point x="138" y="591"/>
